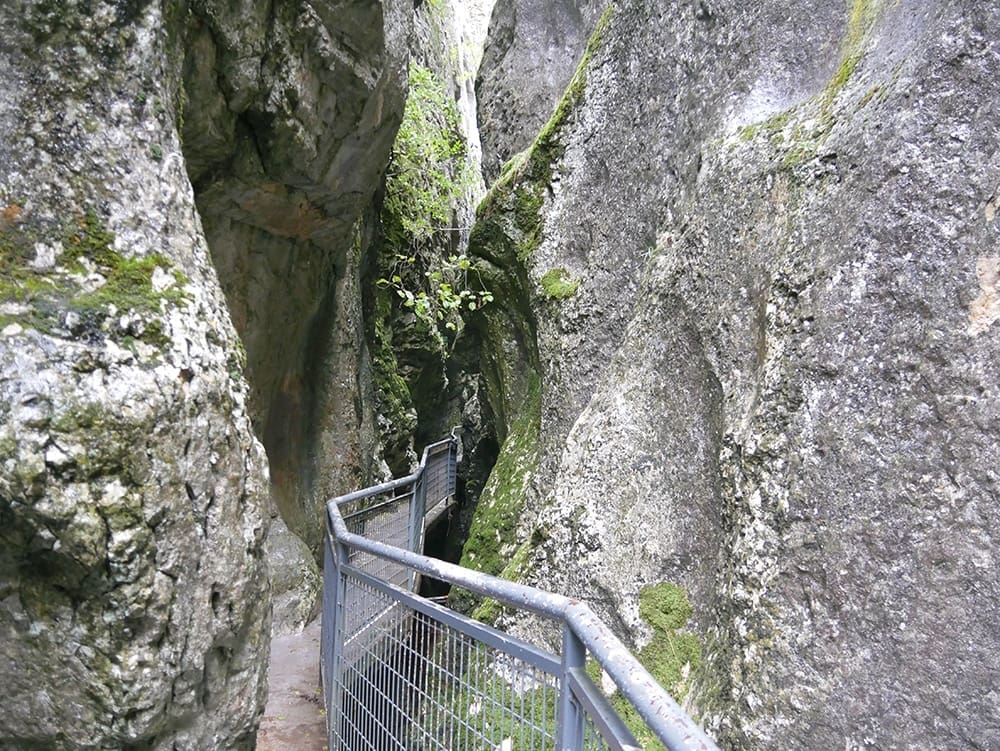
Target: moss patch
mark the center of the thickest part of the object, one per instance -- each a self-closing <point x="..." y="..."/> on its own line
<point x="671" y="656"/>
<point x="860" y="20"/>
<point x="557" y="284"/>
<point x="508" y="222"/>
<point x="43" y="297"/>
<point x="507" y="232"/>
<point x="428" y="170"/>
<point x="491" y="546"/>
<point x="392" y="394"/>
<point x="489" y="610"/>
<point x="788" y="132"/>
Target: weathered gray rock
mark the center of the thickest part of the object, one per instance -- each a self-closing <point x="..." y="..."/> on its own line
<point x="134" y="599"/>
<point x="291" y="112"/>
<point x="532" y="50"/>
<point x="295" y="579"/>
<point x="775" y="383"/>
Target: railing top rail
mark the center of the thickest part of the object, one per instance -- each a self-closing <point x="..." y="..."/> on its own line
<point x="400" y="482"/>
<point x="384" y="487"/>
<point x="534" y="600"/>
<point x="663" y="715"/>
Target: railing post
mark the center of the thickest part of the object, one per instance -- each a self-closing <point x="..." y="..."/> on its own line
<point x="418" y="503"/>
<point x="335" y="557"/>
<point x="329" y="602"/>
<point x="574" y="655"/>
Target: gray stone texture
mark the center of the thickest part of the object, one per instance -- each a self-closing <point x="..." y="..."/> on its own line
<point x="777" y="382"/>
<point x="291" y="113"/>
<point x="532" y="49"/>
<point x="134" y="596"/>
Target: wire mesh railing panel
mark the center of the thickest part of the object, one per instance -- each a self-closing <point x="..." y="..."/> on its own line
<point x="409" y="680"/>
<point x="439" y="475"/>
<point x="475" y="696"/>
<point x="386" y="519"/>
<point x="402" y="672"/>
<point x="592" y="738"/>
<point x="373" y="684"/>
<point x="604" y="722"/>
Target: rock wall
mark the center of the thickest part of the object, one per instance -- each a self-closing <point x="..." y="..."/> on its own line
<point x="291" y="111"/>
<point x="752" y="257"/>
<point x="419" y="221"/>
<point x="134" y="597"/>
<point x="532" y="49"/>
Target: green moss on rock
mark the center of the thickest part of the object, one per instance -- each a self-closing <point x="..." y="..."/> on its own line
<point x="489" y="610"/>
<point x="671" y="656"/>
<point x="43" y="296"/>
<point x="557" y="284"/>
<point x="798" y="133"/>
<point x="861" y="18"/>
<point x="429" y="170"/>
<point x="392" y="394"/>
<point x="508" y="222"/>
<point x="492" y="546"/>
<point x="508" y="229"/>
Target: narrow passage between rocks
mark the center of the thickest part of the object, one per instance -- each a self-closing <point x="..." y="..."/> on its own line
<point x="294" y="719"/>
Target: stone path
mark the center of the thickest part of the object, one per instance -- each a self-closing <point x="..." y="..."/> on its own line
<point x="294" y="719"/>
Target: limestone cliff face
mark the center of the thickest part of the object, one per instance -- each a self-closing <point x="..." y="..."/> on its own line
<point x="423" y="366"/>
<point x="532" y="50"/>
<point x="134" y="597"/>
<point x="291" y="110"/>
<point x="752" y="260"/>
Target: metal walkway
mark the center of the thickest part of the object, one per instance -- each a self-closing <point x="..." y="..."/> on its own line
<point x="404" y="672"/>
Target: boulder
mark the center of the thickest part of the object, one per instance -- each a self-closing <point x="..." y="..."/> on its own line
<point x="753" y="258"/>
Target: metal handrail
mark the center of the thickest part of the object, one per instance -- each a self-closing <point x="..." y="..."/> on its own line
<point x="581" y="626"/>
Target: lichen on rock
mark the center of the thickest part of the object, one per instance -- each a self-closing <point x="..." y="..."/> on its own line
<point x="134" y="596"/>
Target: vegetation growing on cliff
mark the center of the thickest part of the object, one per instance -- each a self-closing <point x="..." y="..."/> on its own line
<point x="83" y="283"/>
<point x="519" y="193"/>
<point x="557" y="284"/>
<point x="799" y="132"/>
<point x="428" y="175"/>
<point x="506" y="234"/>
<point x="671" y="656"/>
<point x="492" y="545"/>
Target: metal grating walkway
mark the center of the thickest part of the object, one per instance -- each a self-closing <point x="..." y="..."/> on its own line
<point x="405" y="673"/>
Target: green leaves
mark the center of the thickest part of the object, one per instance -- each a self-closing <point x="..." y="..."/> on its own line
<point x="446" y="293"/>
<point x="428" y="171"/>
<point x="428" y="176"/>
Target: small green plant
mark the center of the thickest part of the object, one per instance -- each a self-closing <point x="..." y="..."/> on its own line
<point x="428" y="171"/>
<point x="427" y="176"/>
<point x="557" y="284"/>
<point x="444" y="294"/>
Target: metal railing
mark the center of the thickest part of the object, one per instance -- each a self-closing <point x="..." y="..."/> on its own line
<point x="404" y="672"/>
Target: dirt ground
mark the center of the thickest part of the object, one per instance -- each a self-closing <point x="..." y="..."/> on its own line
<point x="294" y="719"/>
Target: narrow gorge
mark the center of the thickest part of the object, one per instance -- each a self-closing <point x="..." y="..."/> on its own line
<point x="710" y="289"/>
